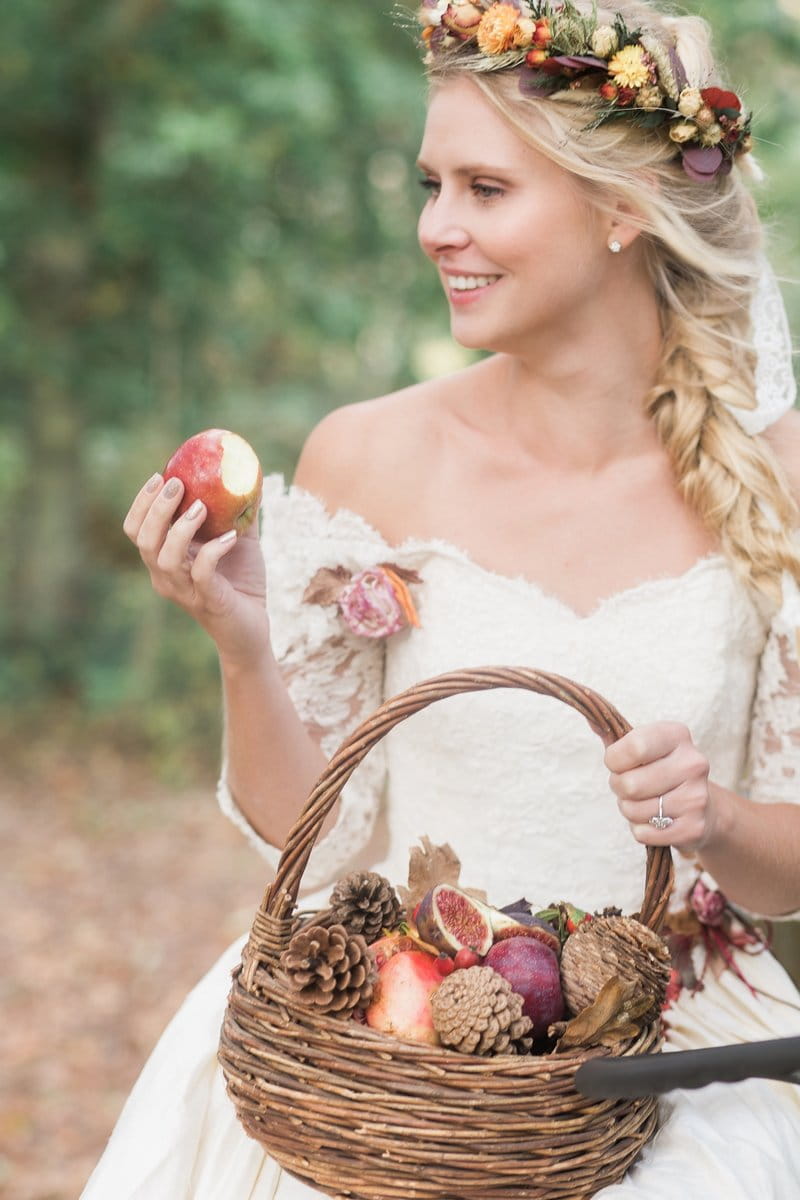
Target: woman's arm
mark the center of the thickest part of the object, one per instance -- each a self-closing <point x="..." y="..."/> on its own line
<point x="754" y="854"/>
<point x="274" y="751"/>
<point x="273" y="760"/>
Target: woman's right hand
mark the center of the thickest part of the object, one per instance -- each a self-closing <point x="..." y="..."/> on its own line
<point x="221" y="583"/>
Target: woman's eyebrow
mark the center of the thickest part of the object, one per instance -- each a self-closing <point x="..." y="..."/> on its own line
<point x="472" y="169"/>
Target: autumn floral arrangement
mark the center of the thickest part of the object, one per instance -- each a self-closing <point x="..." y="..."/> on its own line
<point x="629" y="73"/>
<point x="437" y="963"/>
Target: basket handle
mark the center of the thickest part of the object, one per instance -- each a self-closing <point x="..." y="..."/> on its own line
<point x="602" y="717"/>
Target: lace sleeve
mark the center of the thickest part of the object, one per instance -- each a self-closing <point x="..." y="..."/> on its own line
<point x="774" y="759"/>
<point x="335" y="678"/>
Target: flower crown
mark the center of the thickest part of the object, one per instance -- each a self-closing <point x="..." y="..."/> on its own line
<point x="632" y="74"/>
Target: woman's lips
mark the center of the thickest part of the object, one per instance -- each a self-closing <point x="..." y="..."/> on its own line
<point x="466" y="289"/>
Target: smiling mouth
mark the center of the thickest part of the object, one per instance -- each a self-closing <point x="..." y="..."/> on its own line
<point x="470" y="283"/>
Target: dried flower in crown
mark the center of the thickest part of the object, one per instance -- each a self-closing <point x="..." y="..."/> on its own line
<point x="631" y="73"/>
<point x="374" y="603"/>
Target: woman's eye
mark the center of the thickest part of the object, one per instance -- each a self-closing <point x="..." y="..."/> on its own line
<point x="431" y="186"/>
<point x="485" y="191"/>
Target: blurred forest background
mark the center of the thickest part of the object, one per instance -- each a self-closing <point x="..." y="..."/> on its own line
<point x="207" y="213"/>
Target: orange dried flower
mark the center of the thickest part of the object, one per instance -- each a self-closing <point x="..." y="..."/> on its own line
<point x="543" y="36"/>
<point x="498" y="29"/>
<point x="535" y="57"/>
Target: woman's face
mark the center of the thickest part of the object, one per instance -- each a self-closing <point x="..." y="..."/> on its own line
<point x="519" y="249"/>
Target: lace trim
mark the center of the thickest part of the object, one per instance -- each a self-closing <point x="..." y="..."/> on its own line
<point x="774" y="771"/>
<point x="334" y="677"/>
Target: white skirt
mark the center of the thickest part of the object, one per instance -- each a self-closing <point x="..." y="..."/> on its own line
<point x="179" y="1138"/>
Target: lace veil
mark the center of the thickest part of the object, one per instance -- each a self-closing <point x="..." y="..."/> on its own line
<point x="775" y="383"/>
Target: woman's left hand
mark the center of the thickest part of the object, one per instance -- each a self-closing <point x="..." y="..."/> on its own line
<point x="657" y="770"/>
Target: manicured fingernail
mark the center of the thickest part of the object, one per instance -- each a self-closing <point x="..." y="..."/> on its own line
<point x="172" y="488"/>
<point x="153" y="484"/>
<point x="230" y="536"/>
<point x="193" y="510"/>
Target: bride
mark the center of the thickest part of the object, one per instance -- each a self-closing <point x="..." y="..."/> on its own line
<point x="610" y="494"/>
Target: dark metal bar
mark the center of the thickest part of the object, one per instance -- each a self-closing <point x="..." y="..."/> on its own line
<point x="651" y="1074"/>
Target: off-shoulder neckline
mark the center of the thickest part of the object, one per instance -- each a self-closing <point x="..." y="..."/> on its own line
<point x="413" y="545"/>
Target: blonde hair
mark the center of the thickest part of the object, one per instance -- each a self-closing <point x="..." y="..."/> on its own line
<point x="703" y="249"/>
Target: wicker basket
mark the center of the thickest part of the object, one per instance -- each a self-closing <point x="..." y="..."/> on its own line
<point x="358" y="1114"/>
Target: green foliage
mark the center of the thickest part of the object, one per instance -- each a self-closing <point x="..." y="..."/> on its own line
<point x="206" y="218"/>
<point x="207" y="213"/>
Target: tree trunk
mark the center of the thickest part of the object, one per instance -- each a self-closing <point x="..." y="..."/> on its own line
<point x="49" y="572"/>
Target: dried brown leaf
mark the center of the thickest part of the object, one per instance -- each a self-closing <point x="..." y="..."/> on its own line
<point x="404" y="573"/>
<point x="618" y="1033"/>
<point x="326" y="586"/>
<point x="427" y="867"/>
<point x="684" y="922"/>
<point x="610" y="1019"/>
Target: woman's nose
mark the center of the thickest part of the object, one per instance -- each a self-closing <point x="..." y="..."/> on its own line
<point x="440" y="228"/>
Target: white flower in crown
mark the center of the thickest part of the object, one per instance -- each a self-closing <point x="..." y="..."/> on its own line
<point x="432" y="11"/>
<point x="604" y="41"/>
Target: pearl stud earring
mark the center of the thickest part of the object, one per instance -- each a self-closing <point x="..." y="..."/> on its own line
<point x="615" y="246"/>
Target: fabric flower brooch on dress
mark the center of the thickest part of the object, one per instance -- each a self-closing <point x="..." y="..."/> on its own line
<point x="374" y="603"/>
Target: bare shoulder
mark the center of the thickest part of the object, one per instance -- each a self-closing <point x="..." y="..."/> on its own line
<point x="366" y="456"/>
<point x="783" y="438"/>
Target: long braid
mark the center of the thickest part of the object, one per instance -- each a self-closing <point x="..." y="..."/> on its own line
<point x="730" y="479"/>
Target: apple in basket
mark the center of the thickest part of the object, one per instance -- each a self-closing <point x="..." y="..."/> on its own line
<point x="221" y="469"/>
<point x="401" y="1003"/>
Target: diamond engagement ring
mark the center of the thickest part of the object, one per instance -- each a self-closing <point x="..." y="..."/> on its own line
<point x="661" y="822"/>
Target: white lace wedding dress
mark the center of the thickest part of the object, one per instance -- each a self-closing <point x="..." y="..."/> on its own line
<point x="516" y="783"/>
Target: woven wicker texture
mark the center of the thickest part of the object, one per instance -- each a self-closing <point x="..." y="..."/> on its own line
<point x="358" y="1114"/>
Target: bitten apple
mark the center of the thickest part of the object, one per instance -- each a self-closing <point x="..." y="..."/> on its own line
<point x="221" y="469"/>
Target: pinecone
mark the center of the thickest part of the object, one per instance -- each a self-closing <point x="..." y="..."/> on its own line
<point x="614" y="947"/>
<point x="329" y="968"/>
<point x="366" y="903"/>
<point x="475" y="1011"/>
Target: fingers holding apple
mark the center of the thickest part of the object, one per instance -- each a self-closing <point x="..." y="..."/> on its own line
<point x="151" y="512"/>
<point x="211" y="483"/>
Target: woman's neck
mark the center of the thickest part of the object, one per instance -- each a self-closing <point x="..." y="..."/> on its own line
<point x="576" y="395"/>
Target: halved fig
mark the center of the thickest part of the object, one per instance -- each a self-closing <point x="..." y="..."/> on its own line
<point x="448" y="919"/>
<point x="522" y="924"/>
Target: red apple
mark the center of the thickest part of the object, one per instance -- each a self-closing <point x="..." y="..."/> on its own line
<point x="401" y="1004"/>
<point x="221" y="469"/>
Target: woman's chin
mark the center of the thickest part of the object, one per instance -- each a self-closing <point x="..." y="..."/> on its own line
<point x="471" y="339"/>
<point x="484" y="342"/>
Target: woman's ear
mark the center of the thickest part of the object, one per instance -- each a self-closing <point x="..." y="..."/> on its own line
<point x="624" y="227"/>
<point x="626" y="219"/>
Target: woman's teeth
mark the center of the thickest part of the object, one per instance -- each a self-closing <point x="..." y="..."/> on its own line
<point x="467" y="283"/>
